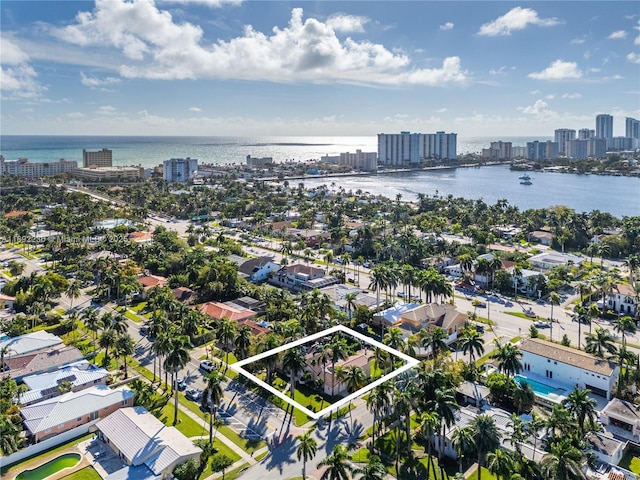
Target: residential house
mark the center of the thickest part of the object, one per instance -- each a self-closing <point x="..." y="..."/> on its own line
<point x="256" y="329"/>
<point x="392" y="316"/>
<point x="80" y="375"/>
<point x="606" y="448"/>
<point x="296" y="277"/>
<point x="623" y="415"/>
<point x="540" y="236"/>
<point x="622" y="298"/>
<point x="338" y="294"/>
<point x="59" y="414"/>
<point x="548" y="260"/>
<point x="432" y="315"/>
<point x="30" y="342"/>
<point x="184" y="295"/>
<point x="331" y="384"/>
<point x="218" y="311"/>
<point x="7" y="301"/>
<point x="41" y="361"/>
<point x="150" y="449"/>
<point x="258" y="269"/>
<point x="251" y="303"/>
<point x="472" y="393"/>
<point x="565" y="366"/>
<point x="528" y="281"/>
<point x="464" y="416"/>
<point x="150" y="281"/>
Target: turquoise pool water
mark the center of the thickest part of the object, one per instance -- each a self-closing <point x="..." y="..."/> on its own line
<point x="539" y="388"/>
<point x="113" y="222"/>
<point x="67" y="460"/>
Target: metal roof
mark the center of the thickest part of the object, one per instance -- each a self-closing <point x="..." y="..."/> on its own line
<point x="143" y="439"/>
<point x="58" y="410"/>
<point x="30" y="342"/>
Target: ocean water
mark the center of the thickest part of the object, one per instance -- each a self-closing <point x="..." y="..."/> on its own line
<point x="619" y="196"/>
<point x="151" y="151"/>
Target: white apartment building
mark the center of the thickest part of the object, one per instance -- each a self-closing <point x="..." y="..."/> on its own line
<point x="406" y="148"/>
<point x="604" y="128"/>
<point x="568" y="367"/>
<point x="179" y="169"/>
<point x="24" y="168"/>
<point x="562" y="136"/>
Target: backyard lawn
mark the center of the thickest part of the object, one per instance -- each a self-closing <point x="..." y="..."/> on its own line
<point x="87" y="473"/>
<point x="631" y="462"/>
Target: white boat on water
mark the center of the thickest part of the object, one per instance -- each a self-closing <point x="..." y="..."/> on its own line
<point x="526" y="182"/>
<point x="525" y="177"/>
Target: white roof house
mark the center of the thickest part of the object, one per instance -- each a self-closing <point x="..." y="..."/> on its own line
<point x="45" y="385"/>
<point x="548" y="260"/>
<point x="30" y="342"/>
<point x="394" y="314"/>
<point x="61" y="413"/>
<point x="142" y="439"/>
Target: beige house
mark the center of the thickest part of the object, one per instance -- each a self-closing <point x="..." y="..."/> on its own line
<point x="324" y="372"/>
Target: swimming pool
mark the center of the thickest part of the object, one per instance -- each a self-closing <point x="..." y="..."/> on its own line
<point x="67" y="460"/>
<point x="111" y="223"/>
<point x="540" y="388"/>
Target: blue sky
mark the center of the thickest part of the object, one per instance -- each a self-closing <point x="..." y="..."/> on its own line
<point x="216" y="67"/>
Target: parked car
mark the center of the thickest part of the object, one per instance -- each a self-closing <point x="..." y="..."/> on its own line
<point x="542" y="324"/>
<point x="193" y="394"/>
<point x="207" y="366"/>
<point x="182" y="384"/>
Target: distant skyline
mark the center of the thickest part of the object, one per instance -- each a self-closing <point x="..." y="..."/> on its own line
<point x="232" y="67"/>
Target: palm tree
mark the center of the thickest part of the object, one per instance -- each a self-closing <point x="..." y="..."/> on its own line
<point x="306" y="451"/>
<point x="10" y="439"/>
<point x="175" y="360"/>
<point x="293" y="363"/>
<point x="393" y="338"/>
<point x="471" y="342"/>
<point x="337" y="464"/>
<point x="119" y="323"/>
<point x="73" y="292"/>
<point x="463" y="442"/>
<point x="160" y="348"/>
<point x="445" y="405"/>
<point x="508" y="357"/>
<point x="353" y="378"/>
<point x="600" y="342"/>
<point x="563" y="462"/>
<point x="243" y="341"/>
<point x="624" y="324"/>
<point x="533" y="427"/>
<point x="434" y="339"/>
<point x="373" y="470"/>
<point x="487" y="438"/>
<point x="337" y="351"/>
<point x="378" y="402"/>
<point x="107" y="340"/>
<point x="226" y="333"/>
<point x="349" y="300"/>
<point x="92" y="323"/>
<point x="582" y="407"/>
<point x="500" y="463"/>
<point x="125" y="346"/>
<point x="211" y="397"/>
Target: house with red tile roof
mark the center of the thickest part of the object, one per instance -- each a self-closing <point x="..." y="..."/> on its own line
<point x="324" y="372"/>
<point x="219" y="311"/>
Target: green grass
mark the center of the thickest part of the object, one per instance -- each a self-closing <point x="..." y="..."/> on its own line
<point x="361" y="456"/>
<point x="235" y="473"/>
<point x="138" y="307"/>
<point x="20" y="465"/>
<point x="631" y="462"/>
<point x="87" y="473"/>
<point x="132" y="316"/>
<point x="262" y="455"/>
<point x="486" y="475"/>
<point x="186" y="425"/>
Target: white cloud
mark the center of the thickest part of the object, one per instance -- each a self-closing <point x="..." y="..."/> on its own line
<point x="517" y="18"/>
<point x="551" y="96"/>
<point x="17" y="76"/>
<point x="595" y="70"/>
<point x="347" y="23"/>
<point x="633" y="57"/>
<point x="571" y="96"/>
<point x="503" y="70"/>
<point x="194" y="109"/>
<point x="97" y="82"/>
<point x="540" y="109"/>
<point x="578" y="41"/>
<point x="75" y="115"/>
<point x="534" y="92"/>
<point x="440" y="110"/>
<point x="619" y="34"/>
<point x="106" y="110"/>
<point x="446" y="26"/>
<point x="636" y="41"/>
<point x="306" y="50"/>
<point x="209" y="3"/>
<point x="558" y="70"/>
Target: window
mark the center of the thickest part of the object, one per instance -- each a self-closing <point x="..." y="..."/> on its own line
<point x="555" y="363"/>
<point x="79" y="419"/>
